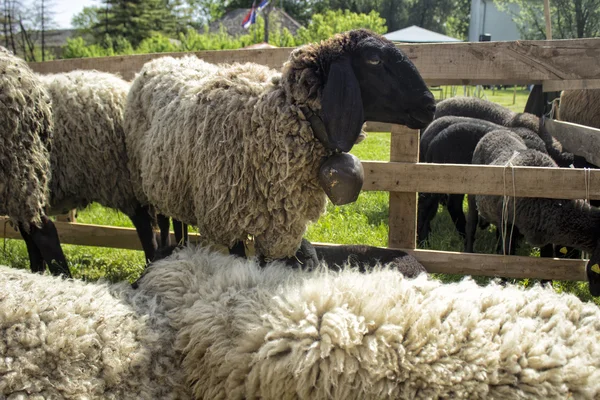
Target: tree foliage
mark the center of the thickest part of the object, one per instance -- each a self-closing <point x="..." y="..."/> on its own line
<point x="322" y="26"/>
<point x="570" y="18"/>
<point x="134" y="20"/>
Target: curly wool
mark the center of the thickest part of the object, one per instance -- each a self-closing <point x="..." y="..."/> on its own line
<point x="89" y="158"/>
<point x="26" y="131"/>
<point x="580" y="107"/>
<point x="74" y="340"/>
<point x="246" y="332"/>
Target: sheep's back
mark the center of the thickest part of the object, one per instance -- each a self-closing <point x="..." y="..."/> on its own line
<point x="580" y="107"/>
<point x="25" y="139"/>
<point x="69" y="339"/>
<point x="89" y="158"/>
<point x="272" y="333"/>
<point x="474" y="107"/>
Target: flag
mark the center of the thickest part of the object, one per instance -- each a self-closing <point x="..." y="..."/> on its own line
<point x="250" y="18"/>
<point x="262" y="5"/>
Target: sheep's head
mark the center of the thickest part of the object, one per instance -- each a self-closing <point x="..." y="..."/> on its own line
<point x="355" y="77"/>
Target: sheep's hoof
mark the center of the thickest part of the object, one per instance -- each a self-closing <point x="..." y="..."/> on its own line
<point x="341" y="177"/>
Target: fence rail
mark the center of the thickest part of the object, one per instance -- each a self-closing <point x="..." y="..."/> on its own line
<point x="557" y="64"/>
<point x="434" y="261"/>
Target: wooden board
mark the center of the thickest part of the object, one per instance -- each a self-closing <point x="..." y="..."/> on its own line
<point x="91" y="235"/>
<point x="516" y="62"/>
<point x="403" y="206"/>
<point x="556" y="183"/>
<point x="570" y="84"/>
<point x="434" y="261"/>
<point x="443" y="262"/>
<point x="578" y="139"/>
<point x="373" y="126"/>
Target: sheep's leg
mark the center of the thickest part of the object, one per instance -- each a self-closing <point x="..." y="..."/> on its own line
<point x="48" y="244"/>
<point x="36" y="261"/>
<point x="164" y="224"/>
<point x="454" y="205"/>
<point x="238" y="249"/>
<point x="142" y="220"/>
<point x="547" y="251"/>
<point x="427" y="210"/>
<point x="471" y="224"/>
<point x="181" y="232"/>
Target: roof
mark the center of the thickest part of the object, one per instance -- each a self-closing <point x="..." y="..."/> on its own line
<point x="262" y="45"/>
<point x="415" y="34"/>
<point x="232" y="21"/>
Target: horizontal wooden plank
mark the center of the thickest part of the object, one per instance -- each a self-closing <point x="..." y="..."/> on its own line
<point x="373" y="126"/>
<point x="434" y="261"/>
<point x="578" y="139"/>
<point x="558" y="85"/>
<point x="128" y="66"/>
<point x="443" y="262"/>
<point x="91" y="235"/>
<point x="512" y="62"/>
<point x="556" y="183"/>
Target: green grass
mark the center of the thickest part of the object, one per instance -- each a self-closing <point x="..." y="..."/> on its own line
<point x="363" y="222"/>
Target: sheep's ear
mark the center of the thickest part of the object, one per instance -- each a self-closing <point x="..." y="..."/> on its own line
<point x="593" y="272"/>
<point x="342" y="106"/>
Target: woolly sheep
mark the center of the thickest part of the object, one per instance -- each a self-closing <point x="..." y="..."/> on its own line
<point x="89" y="158"/>
<point x="484" y="109"/>
<point x="244" y="136"/>
<point x="203" y="325"/>
<point x="26" y="129"/>
<point x="541" y="221"/>
<point x="452" y="140"/>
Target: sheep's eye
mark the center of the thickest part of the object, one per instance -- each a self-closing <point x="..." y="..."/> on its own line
<point x="373" y="61"/>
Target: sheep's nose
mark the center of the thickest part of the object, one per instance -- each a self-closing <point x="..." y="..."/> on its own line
<point x="425" y="108"/>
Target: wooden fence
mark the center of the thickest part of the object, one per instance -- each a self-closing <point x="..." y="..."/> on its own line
<point x="557" y="65"/>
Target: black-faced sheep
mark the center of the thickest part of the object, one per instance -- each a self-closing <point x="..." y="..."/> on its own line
<point x="541" y="221"/>
<point x="26" y="132"/>
<point x="203" y="325"/>
<point x="475" y="107"/>
<point x="236" y="150"/>
<point x="452" y="140"/>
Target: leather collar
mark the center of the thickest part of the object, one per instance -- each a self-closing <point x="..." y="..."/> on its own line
<point x="317" y="125"/>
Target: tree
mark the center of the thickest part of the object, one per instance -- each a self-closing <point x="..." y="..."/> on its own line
<point x="457" y="24"/>
<point x="86" y="19"/>
<point x="134" y="20"/>
<point x="570" y="18"/>
<point x="322" y="26"/>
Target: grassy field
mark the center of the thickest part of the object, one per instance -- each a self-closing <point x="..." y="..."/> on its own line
<point x="363" y="222"/>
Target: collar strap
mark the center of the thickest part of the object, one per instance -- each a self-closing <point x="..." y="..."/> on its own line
<point x="317" y="125"/>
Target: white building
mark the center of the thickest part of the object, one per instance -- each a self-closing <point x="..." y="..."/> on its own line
<point x="486" y="18"/>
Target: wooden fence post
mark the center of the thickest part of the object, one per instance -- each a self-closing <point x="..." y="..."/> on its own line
<point x="403" y="206"/>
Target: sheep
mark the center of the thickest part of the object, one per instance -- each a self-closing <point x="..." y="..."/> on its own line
<point x="541" y="221"/>
<point x="204" y="325"/>
<point x="452" y="140"/>
<point x="580" y="107"/>
<point x="249" y="141"/>
<point x="26" y="129"/>
<point x="475" y="107"/>
<point x="89" y="159"/>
